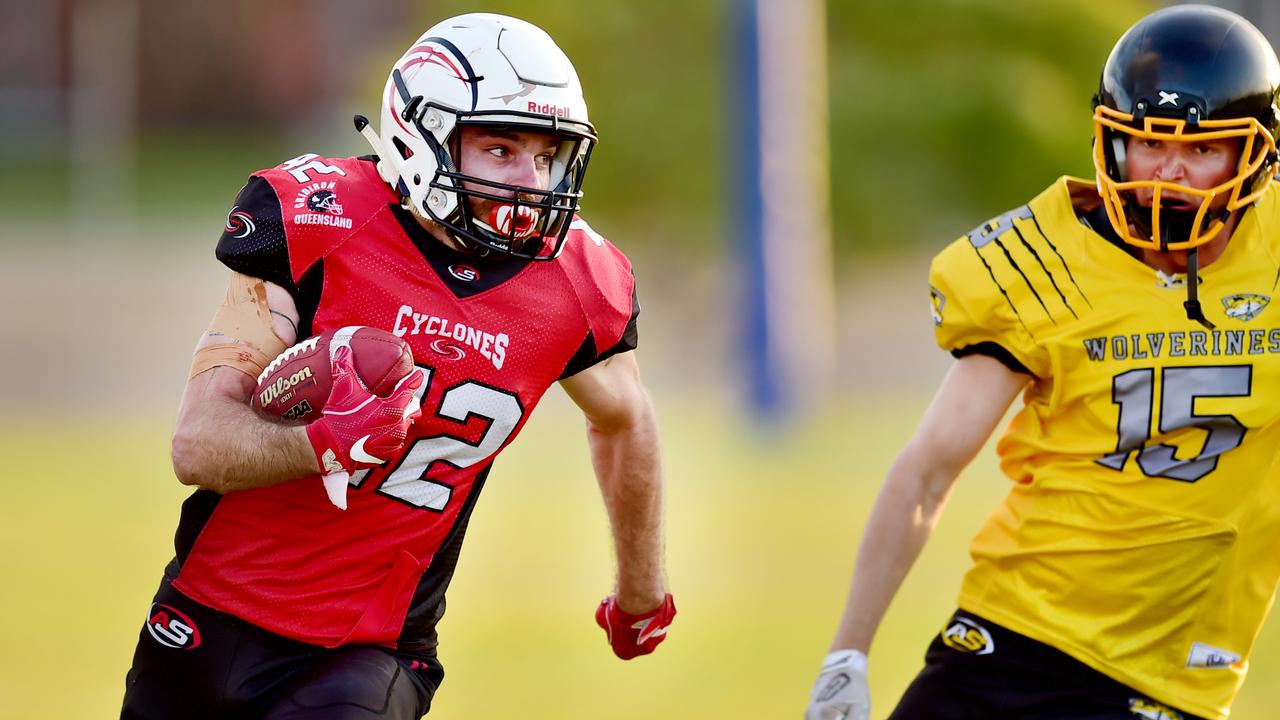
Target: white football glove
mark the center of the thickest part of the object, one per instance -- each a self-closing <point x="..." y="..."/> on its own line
<point x="840" y="692"/>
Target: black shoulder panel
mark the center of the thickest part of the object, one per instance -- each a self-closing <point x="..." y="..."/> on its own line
<point x="253" y="242"/>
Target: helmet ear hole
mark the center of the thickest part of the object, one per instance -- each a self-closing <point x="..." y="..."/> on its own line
<point x="405" y="152"/>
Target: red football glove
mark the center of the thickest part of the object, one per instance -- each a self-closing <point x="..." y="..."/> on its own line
<point x="358" y="429"/>
<point x="634" y="635"/>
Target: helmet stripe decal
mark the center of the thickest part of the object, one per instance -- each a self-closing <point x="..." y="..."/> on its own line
<point x="462" y="60"/>
<point x="434" y="57"/>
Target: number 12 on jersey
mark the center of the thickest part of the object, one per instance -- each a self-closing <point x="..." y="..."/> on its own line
<point x="408" y="483"/>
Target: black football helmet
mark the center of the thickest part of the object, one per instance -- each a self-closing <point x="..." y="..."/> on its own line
<point x="1185" y="73"/>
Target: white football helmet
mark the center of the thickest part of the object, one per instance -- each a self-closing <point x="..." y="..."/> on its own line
<point x="484" y="69"/>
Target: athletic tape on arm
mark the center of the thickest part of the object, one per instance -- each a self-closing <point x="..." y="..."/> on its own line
<point x="244" y="319"/>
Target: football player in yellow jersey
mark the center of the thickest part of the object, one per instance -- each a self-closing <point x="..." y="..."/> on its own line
<point x="1130" y="567"/>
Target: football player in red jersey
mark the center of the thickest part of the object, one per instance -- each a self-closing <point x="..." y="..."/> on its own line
<point x="461" y="236"/>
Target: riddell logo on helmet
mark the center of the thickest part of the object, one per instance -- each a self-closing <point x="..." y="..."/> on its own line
<point x="548" y="109"/>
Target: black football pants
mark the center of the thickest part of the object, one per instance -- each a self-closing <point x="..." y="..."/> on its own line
<point x="977" y="670"/>
<point x="193" y="663"/>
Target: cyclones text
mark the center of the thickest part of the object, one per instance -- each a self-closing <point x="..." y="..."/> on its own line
<point x="490" y="345"/>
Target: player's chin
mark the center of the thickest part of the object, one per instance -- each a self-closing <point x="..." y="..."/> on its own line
<point x="1169" y="203"/>
<point x="1179" y="203"/>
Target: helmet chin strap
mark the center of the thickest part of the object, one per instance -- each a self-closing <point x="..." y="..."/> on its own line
<point x="362" y="127"/>
<point x="1183" y="222"/>
<point x="1192" y="303"/>
<point x="1176" y="226"/>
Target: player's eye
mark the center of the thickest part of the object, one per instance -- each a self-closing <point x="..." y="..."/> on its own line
<point x="499" y="151"/>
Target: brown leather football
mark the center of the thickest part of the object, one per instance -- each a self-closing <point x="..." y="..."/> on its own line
<point x="296" y="385"/>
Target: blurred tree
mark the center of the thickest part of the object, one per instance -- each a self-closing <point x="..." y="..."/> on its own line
<point x="654" y="75"/>
<point x="943" y="112"/>
<point x="947" y="112"/>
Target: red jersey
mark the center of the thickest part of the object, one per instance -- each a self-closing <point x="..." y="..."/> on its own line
<point x="492" y="334"/>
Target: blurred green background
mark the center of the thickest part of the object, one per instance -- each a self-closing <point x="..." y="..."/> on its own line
<point x="127" y="127"/>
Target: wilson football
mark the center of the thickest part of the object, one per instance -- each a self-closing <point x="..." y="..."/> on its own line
<point x="296" y="385"/>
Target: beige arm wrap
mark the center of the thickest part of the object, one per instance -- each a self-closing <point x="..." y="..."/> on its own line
<point x="243" y="323"/>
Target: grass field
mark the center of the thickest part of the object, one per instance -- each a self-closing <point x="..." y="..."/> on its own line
<point x="761" y="533"/>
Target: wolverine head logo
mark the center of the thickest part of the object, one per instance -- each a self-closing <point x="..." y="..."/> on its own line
<point x="1245" y="306"/>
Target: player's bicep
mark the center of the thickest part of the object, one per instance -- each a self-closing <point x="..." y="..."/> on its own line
<point x="610" y="393"/>
<point x="255" y="322"/>
<point x="284" y="314"/>
<point x="973" y="398"/>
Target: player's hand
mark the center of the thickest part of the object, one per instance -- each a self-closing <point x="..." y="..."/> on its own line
<point x="840" y="692"/>
<point x="635" y="635"/>
<point x="358" y="429"/>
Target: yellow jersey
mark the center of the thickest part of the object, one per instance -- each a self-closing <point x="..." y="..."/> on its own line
<point x="1142" y="532"/>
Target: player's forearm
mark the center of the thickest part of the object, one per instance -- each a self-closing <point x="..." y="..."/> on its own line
<point x="901" y="521"/>
<point x="221" y="444"/>
<point x="628" y="465"/>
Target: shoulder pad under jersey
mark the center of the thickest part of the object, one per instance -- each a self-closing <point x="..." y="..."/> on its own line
<point x="288" y="217"/>
<point x="603" y="282"/>
<point x="1007" y="282"/>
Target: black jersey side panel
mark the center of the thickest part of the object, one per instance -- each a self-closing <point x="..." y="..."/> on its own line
<point x="427" y="606"/>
